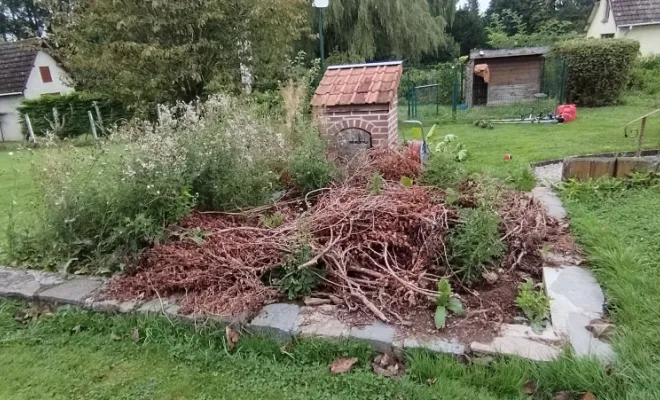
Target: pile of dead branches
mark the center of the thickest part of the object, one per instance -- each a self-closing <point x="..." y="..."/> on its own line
<point x="381" y="252"/>
<point x="526" y="228"/>
<point x="378" y="252"/>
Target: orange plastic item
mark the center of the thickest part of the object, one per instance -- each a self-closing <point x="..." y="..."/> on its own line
<point x="567" y="111"/>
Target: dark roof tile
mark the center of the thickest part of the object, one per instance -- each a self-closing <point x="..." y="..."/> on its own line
<point x="633" y="12"/>
<point x="16" y="62"/>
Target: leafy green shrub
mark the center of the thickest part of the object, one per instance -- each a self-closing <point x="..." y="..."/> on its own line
<point x="474" y="244"/>
<point x="71" y="117"/>
<point x="645" y="76"/>
<point x="534" y="303"/>
<point x="308" y="166"/>
<point x="445" y="301"/>
<point x="442" y="171"/>
<point x="294" y="281"/>
<point x="103" y="204"/>
<point x="598" y="70"/>
<point x="273" y="220"/>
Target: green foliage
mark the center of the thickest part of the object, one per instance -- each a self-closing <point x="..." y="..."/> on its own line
<point x="520" y="176"/>
<point x="607" y="186"/>
<point x="598" y="70"/>
<point x="645" y="77"/>
<point x="442" y="171"/>
<point x="23" y="19"/>
<point x="296" y="282"/>
<point x="273" y="220"/>
<point x="500" y="30"/>
<point x="469" y="30"/>
<point x="406" y="182"/>
<point x="446" y="301"/>
<point x="443" y="75"/>
<point x="474" y="244"/>
<point x="309" y="168"/>
<point x="102" y="204"/>
<point x="377" y="29"/>
<point x="534" y="303"/>
<point x="145" y="54"/>
<point x="375" y="185"/>
<point x="70" y="119"/>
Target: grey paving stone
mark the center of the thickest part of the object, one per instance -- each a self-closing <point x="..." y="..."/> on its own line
<point x="524" y="331"/>
<point x="276" y="320"/>
<point x="378" y="334"/>
<point x="15" y="283"/>
<point x="583" y="341"/>
<point x="433" y="344"/>
<point x="550" y="201"/>
<point x="518" y="346"/>
<point x="74" y="291"/>
<point x="572" y="290"/>
<point x="154" y="306"/>
<point x="321" y="322"/>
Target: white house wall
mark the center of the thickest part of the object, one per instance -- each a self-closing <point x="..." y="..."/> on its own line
<point x="35" y="87"/>
<point x="9" y="122"/>
<point x="598" y="27"/>
<point x="648" y="37"/>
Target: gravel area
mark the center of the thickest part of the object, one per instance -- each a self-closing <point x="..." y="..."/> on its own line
<point x="548" y="175"/>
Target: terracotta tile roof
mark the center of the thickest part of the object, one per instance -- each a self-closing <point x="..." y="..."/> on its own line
<point x="358" y="84"/>
<point x="16" y="62"/>
<point x="633" y="12"/>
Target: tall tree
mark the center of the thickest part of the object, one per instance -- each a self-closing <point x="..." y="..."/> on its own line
<point x="153" y="51"/>
<point x="469" y="30"/>
<point x="21" y="19"/>
<point x="377" y="29"/>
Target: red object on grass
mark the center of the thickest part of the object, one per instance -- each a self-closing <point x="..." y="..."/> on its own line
<point x="507" y="157"/>
<point x="567" y="111"/>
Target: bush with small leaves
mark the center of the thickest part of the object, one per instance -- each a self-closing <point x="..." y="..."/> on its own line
<point x="474" y="244"/>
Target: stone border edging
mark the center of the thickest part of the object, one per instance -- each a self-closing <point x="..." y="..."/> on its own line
<point x="649" y="152"/>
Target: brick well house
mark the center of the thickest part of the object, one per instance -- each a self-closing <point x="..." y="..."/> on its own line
<point x="358" y="104"/>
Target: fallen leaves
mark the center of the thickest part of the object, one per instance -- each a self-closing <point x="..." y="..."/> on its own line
<point x="232" y="338"/>
<point x="588" y="396"/>
<point x="387" y="365"/>
<point x="529" y="387"/>
<point x="342" y="365"/>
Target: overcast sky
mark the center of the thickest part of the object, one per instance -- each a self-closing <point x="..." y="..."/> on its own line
<point x="483" y="4"/>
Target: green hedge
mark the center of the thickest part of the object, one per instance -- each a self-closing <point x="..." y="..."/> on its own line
<point x="72" y="110"/>
<point x="598" y="69"/>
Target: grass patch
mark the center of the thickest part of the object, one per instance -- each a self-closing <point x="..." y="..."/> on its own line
<point x="72" y="356"/>
<point x="619" y="231"/>
<point x="596" y="130"/>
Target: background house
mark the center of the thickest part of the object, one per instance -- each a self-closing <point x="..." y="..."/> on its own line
<point x="504" y="76"/>
<point x="630" y="19"/>
<point x="26" y="71"/>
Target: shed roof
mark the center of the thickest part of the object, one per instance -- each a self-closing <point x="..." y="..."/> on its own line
<point x="523" y="51"/>
<point x="636" y="12"/>
<point x="358" y="84"/>
<point x="16" y="61"/>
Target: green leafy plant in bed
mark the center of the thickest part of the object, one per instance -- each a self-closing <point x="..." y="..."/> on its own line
<point x="446" y="302"/>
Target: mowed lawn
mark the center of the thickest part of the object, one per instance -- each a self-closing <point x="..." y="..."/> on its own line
<point x="596" y="130"/>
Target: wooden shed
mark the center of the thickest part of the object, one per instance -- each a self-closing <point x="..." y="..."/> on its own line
<point x="358" y="104"/>
<point x="504" y="76"/>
